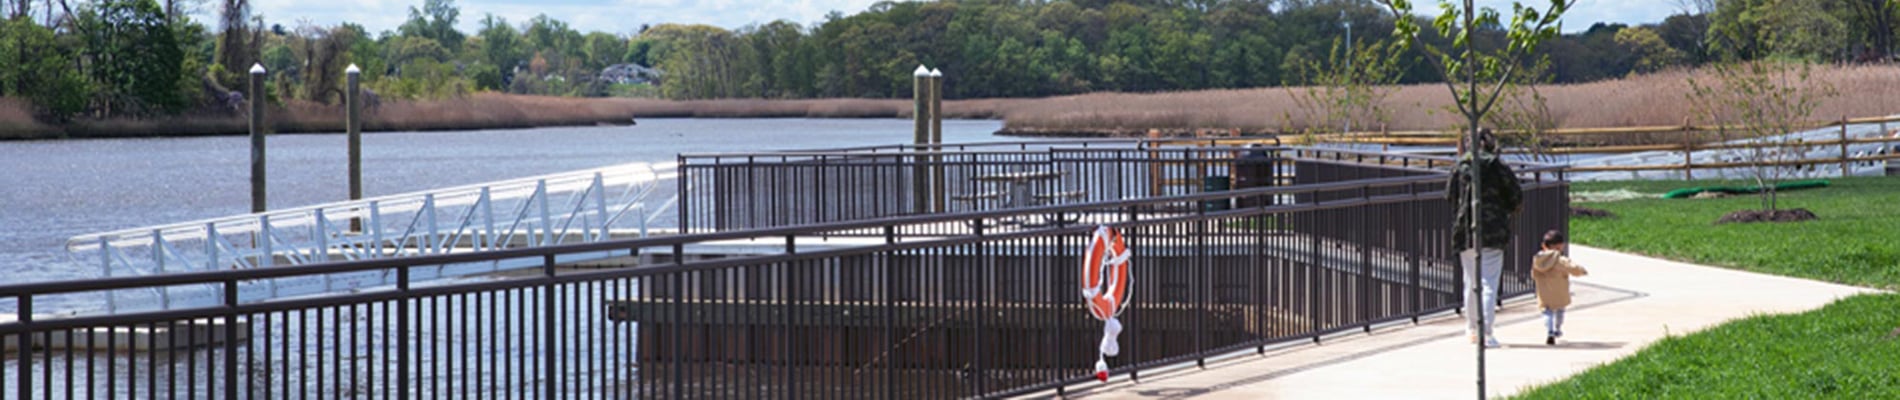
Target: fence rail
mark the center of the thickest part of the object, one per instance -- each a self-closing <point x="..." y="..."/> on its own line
<point x="936" y="305"/>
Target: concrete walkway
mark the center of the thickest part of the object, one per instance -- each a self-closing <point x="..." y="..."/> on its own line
<point x="1625" y="304"/>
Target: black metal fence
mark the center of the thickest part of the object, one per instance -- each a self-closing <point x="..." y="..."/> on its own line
<point x="988" y="306"/>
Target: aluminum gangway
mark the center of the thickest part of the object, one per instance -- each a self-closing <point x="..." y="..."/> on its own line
<point x="614" y="202"/>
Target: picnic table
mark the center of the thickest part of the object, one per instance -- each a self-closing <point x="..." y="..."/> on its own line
<point x="1016" y="190"/>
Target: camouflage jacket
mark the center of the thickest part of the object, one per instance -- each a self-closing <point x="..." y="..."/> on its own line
<point x="1502" y="196"/>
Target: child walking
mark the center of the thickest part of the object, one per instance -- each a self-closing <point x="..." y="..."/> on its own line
<point x="1552" y="271"/>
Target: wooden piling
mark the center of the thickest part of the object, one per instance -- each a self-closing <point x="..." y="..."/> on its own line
<point x="920" y="178"/>
<point x="257" y="138"/>
<point x="936" y="138"/>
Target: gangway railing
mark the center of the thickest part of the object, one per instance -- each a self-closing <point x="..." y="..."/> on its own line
<point x="984" y="310"/>
<point x="572" y="207"/>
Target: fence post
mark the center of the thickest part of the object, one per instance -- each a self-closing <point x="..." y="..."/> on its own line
<point x="1688" y="161"/>
<point x="257" y="137"/>
<point x="1845" y="172"/>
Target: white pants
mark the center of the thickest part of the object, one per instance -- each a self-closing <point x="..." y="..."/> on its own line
<point x="1493" y="267"/>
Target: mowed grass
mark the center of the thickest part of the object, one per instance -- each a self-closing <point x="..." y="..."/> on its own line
<point x="1856" y="241"/>
<point x="1844" y="350"/>
<point x="1848" y="349"/>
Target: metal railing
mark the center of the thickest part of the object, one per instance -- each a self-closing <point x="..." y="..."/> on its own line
<point x="579" y="206"/>
<point x="985" y="311"/>
<point x="752" y="190"/>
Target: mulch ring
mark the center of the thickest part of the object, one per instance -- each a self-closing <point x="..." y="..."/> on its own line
<point x="1746" y="216"/>
<point x="1590" y="212"/>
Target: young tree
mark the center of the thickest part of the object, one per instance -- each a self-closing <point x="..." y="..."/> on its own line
<point x="1764" y="101"/>
<point x="1349" y="87"/>
<point x="1476" y="76"/>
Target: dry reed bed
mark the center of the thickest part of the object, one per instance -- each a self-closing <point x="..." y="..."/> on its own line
<point x="1647" y="100"/>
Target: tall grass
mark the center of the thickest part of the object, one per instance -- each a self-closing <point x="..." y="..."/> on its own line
<point x="1645" y="100"/>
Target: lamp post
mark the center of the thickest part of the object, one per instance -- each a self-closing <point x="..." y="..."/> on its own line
<point x="1349" y="73"/>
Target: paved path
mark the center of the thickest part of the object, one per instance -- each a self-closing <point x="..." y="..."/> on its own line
<point x="1626" y="303"/>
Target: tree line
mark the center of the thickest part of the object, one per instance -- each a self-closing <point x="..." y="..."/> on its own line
<point x="107" y="58"/>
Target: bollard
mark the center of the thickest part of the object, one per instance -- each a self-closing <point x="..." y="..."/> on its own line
<point x="257" y="138"/>
<point x="353" y="125"/>
<point x="920" y="178"/>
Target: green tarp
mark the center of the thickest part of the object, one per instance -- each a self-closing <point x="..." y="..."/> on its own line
<point x="1781" y="187"/>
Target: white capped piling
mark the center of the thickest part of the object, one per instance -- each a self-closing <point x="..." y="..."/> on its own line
<point x="257" y="138"/>
<point x="353" y="124"/>
<point x="920" y="179"/>
<point x="936" y="138"/>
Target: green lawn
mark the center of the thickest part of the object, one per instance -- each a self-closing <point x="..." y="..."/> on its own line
<point x="1840" y="351"/>
<point x="1843" y="350"/>
<point x="1856" y="241"/>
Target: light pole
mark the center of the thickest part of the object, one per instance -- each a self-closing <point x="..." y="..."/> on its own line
<point x="1349" y="73"/>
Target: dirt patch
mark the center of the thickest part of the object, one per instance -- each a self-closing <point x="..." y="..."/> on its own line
<point x="1586" y="212"/>
<point x="1711" y="195"/>
<point x="1747" y="216"/>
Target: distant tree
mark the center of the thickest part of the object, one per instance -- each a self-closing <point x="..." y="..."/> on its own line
<point x="603" y="49"/>
<point x="40" y="69"/>
<point x="235" y="51"/>
<point x="1873" y="24"/>
<point x="436" y="20"/>
<point x="1755" y="29"/>
<point x="1649" y="50"/>
<point x="501" y="47"/>
<point x="134" y="57"/>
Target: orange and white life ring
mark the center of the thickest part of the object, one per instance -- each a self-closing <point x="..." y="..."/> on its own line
<point x="1105" y="274"/>
<point x="1104" y="283"/>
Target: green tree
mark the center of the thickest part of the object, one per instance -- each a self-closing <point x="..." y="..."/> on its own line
<point x="135" y="58"/>
<point x="501" y="46"/>
<point x="40" y="69"/>
<point x="1649" y="50"/>
<point x="1349" y="87"/>
<point x="436" y="20"/>
<point x="1476" y="76"/>
<point x="603" y="49"/>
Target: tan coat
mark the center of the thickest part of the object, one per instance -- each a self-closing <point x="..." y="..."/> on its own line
<point x="1552" y="271"/>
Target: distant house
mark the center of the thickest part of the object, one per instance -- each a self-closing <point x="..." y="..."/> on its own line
<point x="630" y="74"/>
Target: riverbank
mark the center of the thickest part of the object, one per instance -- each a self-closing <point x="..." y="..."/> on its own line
<point x="1657" y="99"/>
<point x="478" y="111"/>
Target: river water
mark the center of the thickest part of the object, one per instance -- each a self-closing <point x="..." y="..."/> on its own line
<point x="53" y="190"/>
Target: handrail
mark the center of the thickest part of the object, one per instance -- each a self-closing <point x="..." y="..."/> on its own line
<point x="184" y="278"/>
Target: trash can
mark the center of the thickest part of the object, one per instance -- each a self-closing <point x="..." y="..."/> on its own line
<point x="1212" y="184"/>
<point x="1255" y="169"/>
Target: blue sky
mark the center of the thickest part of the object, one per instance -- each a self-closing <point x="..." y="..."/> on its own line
<point x="626" y="16"/>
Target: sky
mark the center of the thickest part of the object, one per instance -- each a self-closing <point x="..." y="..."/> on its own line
<point x="626" y="16"/>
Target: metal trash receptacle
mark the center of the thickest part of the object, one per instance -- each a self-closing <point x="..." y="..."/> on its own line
<point x="1252" y="170"/>
<point x="1216" y="183"/>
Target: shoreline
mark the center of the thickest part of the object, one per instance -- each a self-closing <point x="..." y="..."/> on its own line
<point x="1650" y="100"/>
